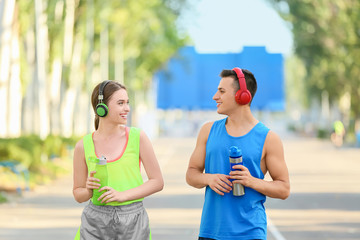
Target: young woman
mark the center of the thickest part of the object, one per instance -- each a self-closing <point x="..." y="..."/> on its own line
<point x="118" y="213"/>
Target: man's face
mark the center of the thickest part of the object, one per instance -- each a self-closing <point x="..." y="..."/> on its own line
<point x="225" y="96"/>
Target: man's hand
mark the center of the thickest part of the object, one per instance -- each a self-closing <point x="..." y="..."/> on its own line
<point x="240" y="174"/>
<point x="219" y="183"/>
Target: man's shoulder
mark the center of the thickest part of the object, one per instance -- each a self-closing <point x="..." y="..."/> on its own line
<point x="206" y="127"/>
<point x="272" y="138"/>
<point x="208" y="124"/>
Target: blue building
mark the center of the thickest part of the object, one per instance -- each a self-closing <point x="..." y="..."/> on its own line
<point x="190" y="79"/>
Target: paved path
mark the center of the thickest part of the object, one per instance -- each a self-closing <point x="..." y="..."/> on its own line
<point x="324" y="203"/>
<point x="325" y="192"/>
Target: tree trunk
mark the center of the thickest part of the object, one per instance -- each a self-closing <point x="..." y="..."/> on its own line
<point x="89" y="76"/>
<point x="55" y="76"/>
<point x="69" y="30"/>
<point x="79" y="110"/>
<point x="55" y="90"/>
<point x="41" y="50"/>
<point x="72" y="107"/>
<point x="6" y="20"/>
<point x="15" y="95"/>
<point x="69" y="96"/>
<point x="29" y="116"/>
<point x="104" y="52"/>
<point x="119" y="56"/>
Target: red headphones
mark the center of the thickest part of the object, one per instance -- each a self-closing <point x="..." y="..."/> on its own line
<point x="242" y="96"/>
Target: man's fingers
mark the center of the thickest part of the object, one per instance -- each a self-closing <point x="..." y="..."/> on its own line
<point x="239" y="167"/>
<point x="218" y="191"/>
<point x="224" y="189"/>
<point x="224" y="182"/>
<point x="227" y="181"/>
<point x="221" y="184"/>
<point x="224" y="186"/>
<point x="92" y="173"/>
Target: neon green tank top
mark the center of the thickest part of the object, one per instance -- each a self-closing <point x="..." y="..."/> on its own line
<point x="124" y="172"/>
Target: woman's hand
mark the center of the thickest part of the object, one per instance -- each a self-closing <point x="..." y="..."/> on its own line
<point x="91" y="182"/>
<point x="110" y="195"/>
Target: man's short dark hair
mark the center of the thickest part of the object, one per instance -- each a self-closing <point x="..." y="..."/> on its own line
<point x="251" y="83"/>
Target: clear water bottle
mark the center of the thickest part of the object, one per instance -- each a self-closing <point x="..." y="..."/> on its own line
<point x="102" y="174"/>
<point x="235" y="156"/>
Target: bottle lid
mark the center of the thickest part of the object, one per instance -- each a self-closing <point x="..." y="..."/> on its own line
<point x="235" y="152"/>
<point x="102" y="160"/>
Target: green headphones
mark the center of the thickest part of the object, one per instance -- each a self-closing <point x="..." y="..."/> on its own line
<point x="101" y="108"/>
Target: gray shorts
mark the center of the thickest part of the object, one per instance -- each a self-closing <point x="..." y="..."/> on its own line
<point x="127" y="222"/>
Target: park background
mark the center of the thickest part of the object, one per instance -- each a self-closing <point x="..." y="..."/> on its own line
<point x="52" y="54"/>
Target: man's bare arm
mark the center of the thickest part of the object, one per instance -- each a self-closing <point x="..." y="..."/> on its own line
<point x="195" y="175"/>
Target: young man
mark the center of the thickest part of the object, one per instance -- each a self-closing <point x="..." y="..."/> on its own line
<point x="224" y="216"/>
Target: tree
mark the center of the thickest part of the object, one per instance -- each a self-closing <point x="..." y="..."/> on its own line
<point x="9" y="68"/>
<point x="326" y="38"/>
<point x="68" y="46"/>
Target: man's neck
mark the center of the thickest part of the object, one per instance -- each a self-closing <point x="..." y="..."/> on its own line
<point x="240" y="122"/>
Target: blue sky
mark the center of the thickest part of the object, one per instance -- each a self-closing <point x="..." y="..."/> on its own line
<point x="221" y="26"/>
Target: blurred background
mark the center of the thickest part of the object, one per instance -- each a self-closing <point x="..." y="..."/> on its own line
<point x="169" y="53"/>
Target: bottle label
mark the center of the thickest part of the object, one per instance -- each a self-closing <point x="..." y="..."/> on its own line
<point x="236" y="161"/>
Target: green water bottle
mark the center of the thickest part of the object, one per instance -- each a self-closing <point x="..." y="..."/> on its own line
<point x="102" y="175"/>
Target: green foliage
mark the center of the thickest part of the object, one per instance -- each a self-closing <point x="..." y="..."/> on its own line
<point x="45" y="160"/>
<point x="25" y="150"/>
<point x="149" y="34"/>
<point x="34" y="153"/>
<point x="2" y="198"/>
<point x="295" y="87"/>
<point x="74" y="38"/>
<point x="147" y="31"/>
<point x="326" y="37"/>
<point x="323" y="133"/>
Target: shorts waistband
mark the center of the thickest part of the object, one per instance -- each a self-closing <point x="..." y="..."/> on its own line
<point x="121" y="209"/>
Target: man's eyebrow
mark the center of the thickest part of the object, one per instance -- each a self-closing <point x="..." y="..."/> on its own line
<point x="220" y="88"/>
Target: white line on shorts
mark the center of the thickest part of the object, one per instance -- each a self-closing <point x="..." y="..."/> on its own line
<point x="274" y="231"/>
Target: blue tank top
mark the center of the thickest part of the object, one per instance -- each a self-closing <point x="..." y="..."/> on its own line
<point x="228" y="217"/>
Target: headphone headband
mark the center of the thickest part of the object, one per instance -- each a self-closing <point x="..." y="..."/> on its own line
<point x="243" y="96"/>
<point x="241" y="77"/>
<point x="101" y="90"/>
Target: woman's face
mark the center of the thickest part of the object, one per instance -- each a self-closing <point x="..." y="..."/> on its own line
<point x="119" y="107"/>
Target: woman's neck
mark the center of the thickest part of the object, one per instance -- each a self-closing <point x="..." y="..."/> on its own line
<point x="106" y="129"/>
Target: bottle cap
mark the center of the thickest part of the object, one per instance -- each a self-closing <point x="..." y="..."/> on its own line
<point x="235" y="152"/>
<point x="102" y="160"/>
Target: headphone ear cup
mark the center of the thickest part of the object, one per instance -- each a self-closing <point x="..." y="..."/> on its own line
<point x="102" y="110"/>
<point x="243" y="97"/>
